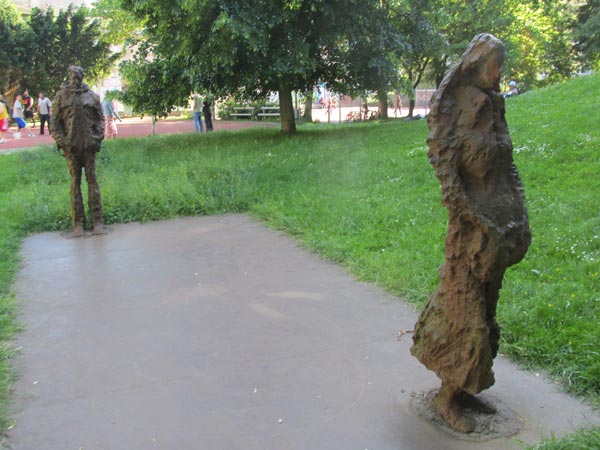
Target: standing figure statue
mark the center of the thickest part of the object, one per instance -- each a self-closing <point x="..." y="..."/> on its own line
<point x="78" y="128"/>
<point x="470" y="148"/>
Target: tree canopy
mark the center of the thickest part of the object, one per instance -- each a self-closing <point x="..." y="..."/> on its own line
<point x="40" y="49"/>
<point x="12" y="27"/>
<point x="587" y="33"/>
<point x="248" y="48"/>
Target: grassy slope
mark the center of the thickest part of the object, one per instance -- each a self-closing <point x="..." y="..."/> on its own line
<point x="551" y="309"/>
<point x="366" y="197"/>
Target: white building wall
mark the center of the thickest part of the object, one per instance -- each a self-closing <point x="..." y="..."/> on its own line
<point x="25" y="6"/>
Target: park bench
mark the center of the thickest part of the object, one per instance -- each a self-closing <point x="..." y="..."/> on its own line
<point x="269" y="111"/>
<point x="243" y="111"/>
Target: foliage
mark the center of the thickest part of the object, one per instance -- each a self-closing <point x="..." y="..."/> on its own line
<point x="538" y="43"/>
<point x="48" y="43"/>
<point x="12" y="29"/>
<point x="372" y="57"/>
<point x="118" y="25"/>
<point x="460" y="20"/>
<point x="535" y="34"/>
<point x="426" y="44"/>
<point x="58" y="41"/>
<point x="587" y="32"/>
<point x="252" y="47"/>
<point x="154" y="85"/>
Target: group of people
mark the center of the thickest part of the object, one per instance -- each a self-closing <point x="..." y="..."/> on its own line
<point x="200" y="108"/>
<point x="22" y="110"/>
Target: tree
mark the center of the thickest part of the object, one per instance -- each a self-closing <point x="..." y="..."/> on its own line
<point x="12" y="28"/>
<point x="587" y="32"/>
<point x="460" y="20"/>
<point x="155" y="86"/>
<point x="248" y="48"/>
<point x="537" y="42"/>
<point x="57" y="41"/>
<point x="534" y="33"/>
<point x="374" y="49"/>
<point x="425" y="43"/>
<point x="117" y="24"/>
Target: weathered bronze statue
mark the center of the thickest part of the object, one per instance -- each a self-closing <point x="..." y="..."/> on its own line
<point x="78" y="129"/>
<point x="470" y="148"/>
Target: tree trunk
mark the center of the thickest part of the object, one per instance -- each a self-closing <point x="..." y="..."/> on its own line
<point x="411" y="107"/>
<point x="153" y="125"/>
<point x="383" y="104"/>
<point x="286" y="109"/>
<point x="440" y="67"/>
<point x="308" y="107"/>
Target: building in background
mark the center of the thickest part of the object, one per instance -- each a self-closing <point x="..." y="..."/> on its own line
<point x="25" y="6"/>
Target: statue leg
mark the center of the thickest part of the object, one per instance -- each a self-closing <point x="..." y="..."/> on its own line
<point x="77" y="212"/>
<point x="448" y="403"/>
<point x="94" y="199"/>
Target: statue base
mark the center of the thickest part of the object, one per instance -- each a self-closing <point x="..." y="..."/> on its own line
<point x="486" y="425"/>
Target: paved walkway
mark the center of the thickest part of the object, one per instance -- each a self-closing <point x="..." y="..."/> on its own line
<point x="130" y="127"/>
<point x="134" y="126"/>
<point x="218" y="333"/>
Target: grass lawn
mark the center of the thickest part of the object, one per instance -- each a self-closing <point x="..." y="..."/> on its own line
<point x="365" y="196"/>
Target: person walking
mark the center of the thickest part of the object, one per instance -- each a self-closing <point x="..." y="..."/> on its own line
<point x="20" y="118"/>
<point x="110" y="125"/>
<point x="207" y="115"/>
<point x="397" y="106"/>
<point x="197" y="114"/>
<point x="3" y="101"/>
<point x="27" y="103"/>
<point x="43" y="108"/>
<point x="4" y="121"/>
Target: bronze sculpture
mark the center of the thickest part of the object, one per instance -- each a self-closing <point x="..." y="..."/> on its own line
<point x="457" y="335"/>
<point x="78" y="129"/>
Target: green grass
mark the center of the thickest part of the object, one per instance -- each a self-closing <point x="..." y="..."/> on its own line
<point x="365" y="196"/>
<point x="588" y="439"/>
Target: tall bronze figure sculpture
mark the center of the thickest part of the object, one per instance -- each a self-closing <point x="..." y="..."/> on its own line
<point x="470" y="148"/>
<point x="78" y="129"/>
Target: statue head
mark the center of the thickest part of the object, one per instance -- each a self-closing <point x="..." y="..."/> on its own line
<point x="75" y="76"/>
<point x="482" y="60"/>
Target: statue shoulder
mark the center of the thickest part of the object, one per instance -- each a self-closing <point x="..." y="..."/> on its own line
<point x="90" y="98"/>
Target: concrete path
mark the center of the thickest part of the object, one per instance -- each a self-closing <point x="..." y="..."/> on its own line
<point x="218" y="333"/>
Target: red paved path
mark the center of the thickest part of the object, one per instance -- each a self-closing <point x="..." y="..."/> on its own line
<point x="130" y="127"/>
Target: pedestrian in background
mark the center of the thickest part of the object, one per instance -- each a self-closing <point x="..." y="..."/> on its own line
<point x="397" y="106"/>
<point x="20" y="118"/>
<point x="512" y="89"/>
<point x="110" y="125"/>
<point x="4" y="121"/>
<point x="43" y="108"/>
<point x="197" y="114"/>
<point x="207" y="115"/>
<point x="27" y="103"/>
<point x="8" y="110"/>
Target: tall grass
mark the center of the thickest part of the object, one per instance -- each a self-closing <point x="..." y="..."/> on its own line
<point x="364" y="196"/>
